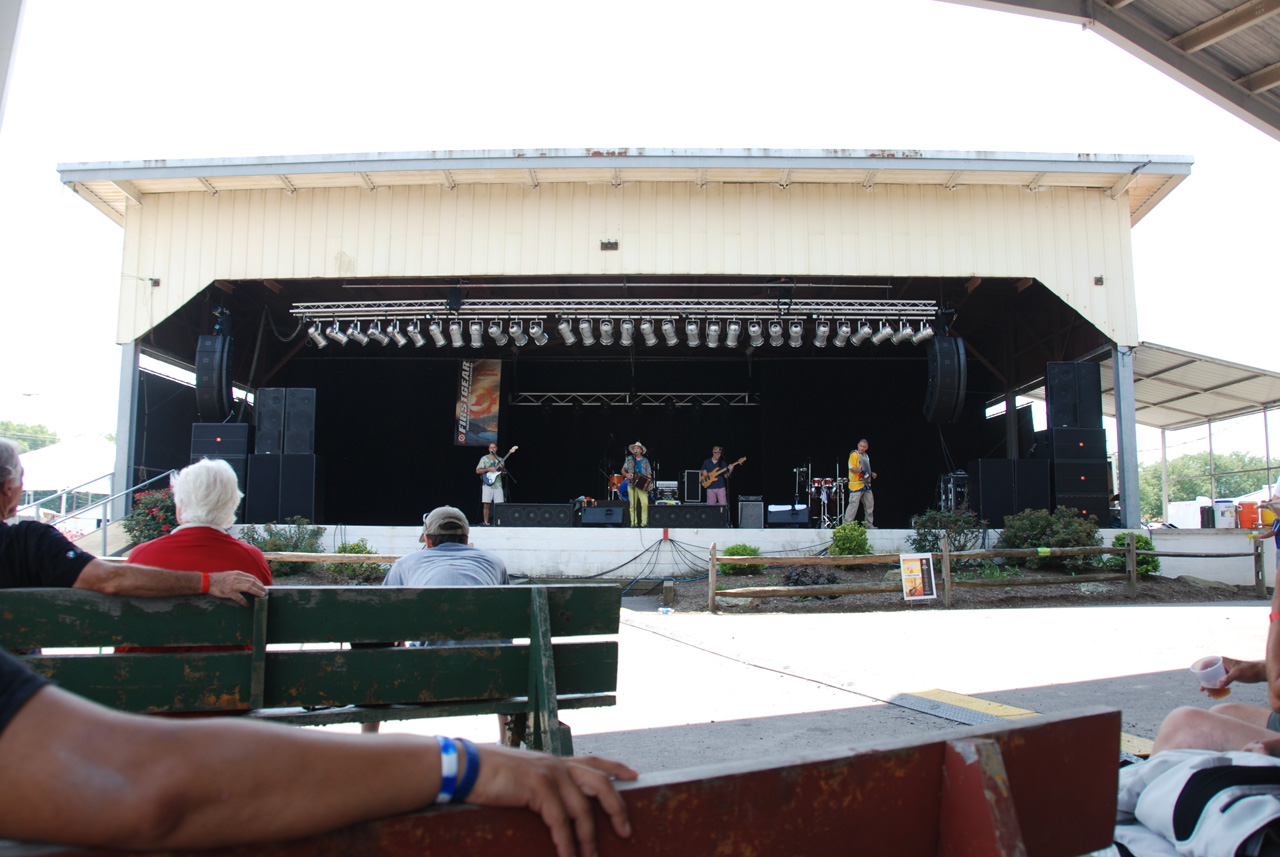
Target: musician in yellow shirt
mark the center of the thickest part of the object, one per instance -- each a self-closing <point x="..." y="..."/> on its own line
<point x="860" y="476"/>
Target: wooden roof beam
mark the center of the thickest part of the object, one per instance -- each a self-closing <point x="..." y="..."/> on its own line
<point x="1262" y="79"/>
<point x="130" y="190"/>
<point x="1225" y="25"/>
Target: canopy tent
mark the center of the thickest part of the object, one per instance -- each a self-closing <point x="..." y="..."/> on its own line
<point x="71" y="464"/>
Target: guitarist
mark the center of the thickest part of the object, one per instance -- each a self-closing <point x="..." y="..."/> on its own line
<point x="491" y="463"/>
<point x="860" y="476"/>
<point x="717" y="488"/>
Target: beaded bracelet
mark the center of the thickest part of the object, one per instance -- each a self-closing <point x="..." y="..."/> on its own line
<point x="448" y="769"/>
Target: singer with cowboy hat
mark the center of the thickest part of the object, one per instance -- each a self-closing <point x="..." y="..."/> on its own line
<point x="639" y="473"/>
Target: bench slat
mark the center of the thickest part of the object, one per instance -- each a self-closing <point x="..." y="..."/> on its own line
<point x="357" y="714"/>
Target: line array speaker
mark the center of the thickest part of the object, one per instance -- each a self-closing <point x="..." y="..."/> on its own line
<point x="269" y="411"/>
<point x="695" y="516"/>
<point x="213" y="378"/>
<point x="300" y="420"/>
<point x="948" y="377"/>
<point x="1073" y="394"/>
<point x="750" y="514"/>
<point x="534" y="514"/>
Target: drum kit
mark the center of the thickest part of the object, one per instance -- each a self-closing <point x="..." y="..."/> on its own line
<point x="828" y="496"/>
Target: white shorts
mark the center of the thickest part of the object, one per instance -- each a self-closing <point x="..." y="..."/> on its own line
<point x="491" y="494"/>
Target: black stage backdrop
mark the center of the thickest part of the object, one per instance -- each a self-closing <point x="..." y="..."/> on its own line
<point x="384" y="428"/>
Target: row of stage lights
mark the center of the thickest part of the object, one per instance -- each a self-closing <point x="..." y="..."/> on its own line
<point x="839" y="333"/>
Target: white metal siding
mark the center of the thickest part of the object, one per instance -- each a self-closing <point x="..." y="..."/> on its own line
<point x="1063" y="237"/>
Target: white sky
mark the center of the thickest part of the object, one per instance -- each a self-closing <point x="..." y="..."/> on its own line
<point x="137" y="79"/>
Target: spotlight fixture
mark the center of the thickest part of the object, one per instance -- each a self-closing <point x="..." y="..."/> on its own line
<point x="756" y="332"/>
<point x="646" y="330"/>
<point x="775" y="333"/>
<point x="516" y="330"/>
<point x="713" y="334"/>
<point x="455" y="333"/>
<point x="496" y="334"/>
<point x="731" y="338"/>
<point x="317" y="336"/>
<point x="477" y="334"/>
<point x="335" y="333"/>
<point x="606" y="331"/>
<point x="843" y="330"/>
<point x="691" y="333"/>
<point x="904" y="333"/>
<point x="584" y="330"/>
<point x="376" y="334"/>
<point x="393" y="331"/>
<point x="882" y="334"/>
<point x="863" y="334"/>
<point x="414" y="331"/>
<point x="353" y="332"/>
<point x="669" y="332"/>
<point x="926" y="332"/>
<point x="437" y="333"/>
<point x="797" y="334"/>
<point x="628" y="332"/>
<point x="566" y="332"/>
<point x="820" y="333"/>
<point x="537" y="334"/>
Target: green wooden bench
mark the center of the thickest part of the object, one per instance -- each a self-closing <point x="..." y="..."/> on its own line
<point x="531" y="680"/>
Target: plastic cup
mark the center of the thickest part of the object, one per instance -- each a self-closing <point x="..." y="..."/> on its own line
<point x="1209" y="672"/>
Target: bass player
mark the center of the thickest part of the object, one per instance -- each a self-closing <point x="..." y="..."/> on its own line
<point x="490" y="472"/>
<point x="713" y="478"/>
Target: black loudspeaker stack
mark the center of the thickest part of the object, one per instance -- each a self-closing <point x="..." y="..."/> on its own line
<point x="606" y="514"/>
<point x="1073" y="395"/>
<point x="948" y="377"/>
<point x="533" y="514"/>
<point x="269" y="410"/>
<point x="750" y="513"/>
<point x="299" y="421"/>
<point x="691" y="516"/>
<point x="227" y="441"/>
<point x="1080" y="470"/>
<point x="213" y="378"/>
<point x="999" y="487"/>
<point x="286" y="478"/>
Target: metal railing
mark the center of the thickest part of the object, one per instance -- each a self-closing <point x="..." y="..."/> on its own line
<point x="63" y="514"/>
<point x="106" y="515"/>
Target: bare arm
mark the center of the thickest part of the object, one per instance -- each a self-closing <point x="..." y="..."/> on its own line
<point x="1273" y="657"/>
<point x="150" y="582"/>
<point x="82" y="774"/>
<point x="1246" y="672"/>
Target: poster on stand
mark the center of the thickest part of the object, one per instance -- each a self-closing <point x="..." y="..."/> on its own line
<point x="479" y="392"/>
<point x="917" y="576"/>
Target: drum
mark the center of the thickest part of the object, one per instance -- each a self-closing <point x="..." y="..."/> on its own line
<point x="641" y="482"/>
<point x="815" y="486"/>
<point x="615" y="481"/>
<point x="624" y="490"/>
<point x="828" y="484"/>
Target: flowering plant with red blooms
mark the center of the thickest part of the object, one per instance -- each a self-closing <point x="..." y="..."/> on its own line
<point x="153" y="516"/>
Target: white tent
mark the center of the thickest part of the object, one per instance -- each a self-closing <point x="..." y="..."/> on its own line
<point x="71" y="464"/>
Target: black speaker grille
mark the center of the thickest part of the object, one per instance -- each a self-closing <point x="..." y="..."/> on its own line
<point x="948" y="377"/>
<point x="269" y="409"/>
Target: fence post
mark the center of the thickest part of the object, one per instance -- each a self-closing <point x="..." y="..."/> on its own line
<point x="1259" y="571"/>
<point x="712" y="568"/>
<point x="1131" y="562"/>
<point x="946" y="570"/>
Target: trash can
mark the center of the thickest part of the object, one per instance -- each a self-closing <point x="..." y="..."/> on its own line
<point x="1224" y="514"/>
<point x="1206" y="517"/>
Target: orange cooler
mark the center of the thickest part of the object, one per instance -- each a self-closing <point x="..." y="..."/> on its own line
<point x="1249" y="517"/>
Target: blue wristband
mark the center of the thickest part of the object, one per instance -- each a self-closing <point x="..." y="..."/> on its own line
<point x="448" y="769"/>
<point x="470" y="774"/>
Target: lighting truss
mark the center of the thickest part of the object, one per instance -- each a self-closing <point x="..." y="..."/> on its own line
<point x="679" y="400"/>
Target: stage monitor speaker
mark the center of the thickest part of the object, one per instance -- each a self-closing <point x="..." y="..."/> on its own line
<point x="1087" y="504"/>
<point x="300" y="421"/>
<point x="218" y="440"/>
<point x="789" y="518"/>
<point x="269" y="410"/>
<point x="603" y="516"/>
<point x="692" y="486"/>
<point x="239" y="463"/>
<point x="1073" y="395"/>
<point x="533" y="514"/>
<point x="691" y="516"/>
<point x="213" y="378"/>
<point x="999" y="487"/>
<point x="301" y="488"/>
<point x="948" y="377"/>
<point x="1080" y="477"/>
<point x="750" y="515"/>
<point x="262" y="495"/>
<point x="1071" y="444"/>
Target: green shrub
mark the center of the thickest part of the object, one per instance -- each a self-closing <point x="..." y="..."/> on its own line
<point x="1146" y="564"/>
<point x="740" y="550"/>
<point x="1063" y="528"/>
<point x="295" y="536"/>
<point x="364" y="572"/>
<point x="153" y="516"/>
<point x="849" y="540"/>
<point x="962" y="526"/>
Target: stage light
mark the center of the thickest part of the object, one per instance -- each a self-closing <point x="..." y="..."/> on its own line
<point x="516" y="329"/>
<point x="713" y="334"/>
<point x="353" y="332"/>
<point x="584" y="330"/>
<point x="669" y="332"/>
<point x="606" y="331"/>
<point x="477" y="334"/>
<point x="843" y="330"/>
<point x="628" y="332"/>
<point x="566" y="332"/>
<point x="926" y="332"/>
<point x="496" y="334"/>
<point x="376" y="334"/>
<point x="393" y="331"/>
<point x="414" y="331"/>
<point x="455" y="333"/>
<point x="756" y="331"/>
<point x="797" y="334"/>
<point x="904" y="333"/>
<point x="437" y="333"/>
<point x="646" y="330"/>
<point x="863" y="334"/>
<point x="537" y="334"/>
<point x="335" y="333"/>
<point x="820" y="333"/>
<point x="882" y="334"/>
<point x="775" y="333"/>
<point x="317" y="336"/>
<point x="691" y="333"/>
<point x="731" y="338"/>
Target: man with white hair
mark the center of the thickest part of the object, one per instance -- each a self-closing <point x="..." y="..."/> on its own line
<point x="37" y="555"/>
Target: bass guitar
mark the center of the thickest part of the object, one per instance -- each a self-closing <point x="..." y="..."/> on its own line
<point x="492" y="476"/>
<point x="715" y="474"/>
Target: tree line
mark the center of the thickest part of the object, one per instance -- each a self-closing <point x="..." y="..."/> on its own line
<point x="1189" y="478"/>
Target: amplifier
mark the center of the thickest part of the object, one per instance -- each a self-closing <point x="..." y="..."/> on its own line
<point x="750" y="513"/>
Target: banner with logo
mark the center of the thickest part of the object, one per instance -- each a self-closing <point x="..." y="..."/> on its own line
<point x="479" y="393"/>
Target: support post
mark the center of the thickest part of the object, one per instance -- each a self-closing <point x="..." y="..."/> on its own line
<point x="1131" y="562"/>
<point x="1126" y="437"/>
<point x="712" y="568"/>
<point x="1164" y="477"/>
<point x="1259" y="570"/>
<point x="946" y="569"/>
<point x="126" y="432"/>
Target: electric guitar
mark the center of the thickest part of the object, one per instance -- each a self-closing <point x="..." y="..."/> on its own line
<point x="492" y="476"/>
<point x="713" y="475"/>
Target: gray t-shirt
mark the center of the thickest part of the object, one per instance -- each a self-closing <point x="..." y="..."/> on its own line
<point x="448" y="564"/>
